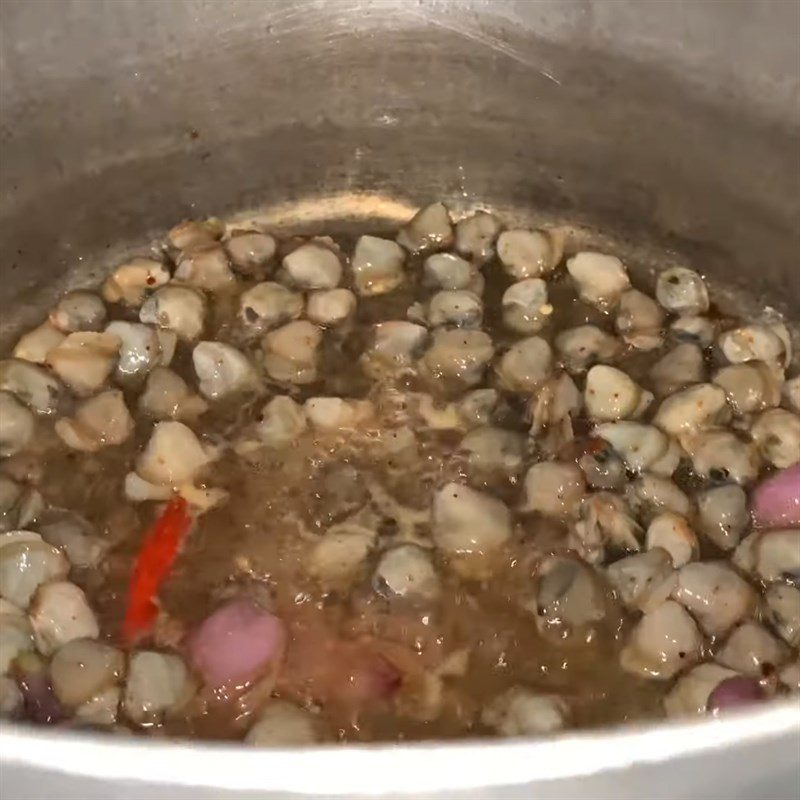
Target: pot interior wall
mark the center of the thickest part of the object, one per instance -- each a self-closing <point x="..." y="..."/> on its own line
<point x="137" y="115"/>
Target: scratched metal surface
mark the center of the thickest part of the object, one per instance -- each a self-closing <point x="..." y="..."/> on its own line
<point x="673" y="125"/>
<point x="641" y="117"/>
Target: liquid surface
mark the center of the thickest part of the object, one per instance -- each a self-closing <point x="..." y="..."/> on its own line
<point x="440" y="664"/>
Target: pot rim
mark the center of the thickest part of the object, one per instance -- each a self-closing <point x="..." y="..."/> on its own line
<point x="405" y="768"/>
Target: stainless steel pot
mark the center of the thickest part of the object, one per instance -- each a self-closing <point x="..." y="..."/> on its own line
<point x="672" y="125"/>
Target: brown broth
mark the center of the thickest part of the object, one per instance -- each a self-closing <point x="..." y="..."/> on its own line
<point x="258" y="543"/>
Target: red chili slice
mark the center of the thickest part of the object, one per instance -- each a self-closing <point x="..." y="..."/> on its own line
<point x="155" y="559"/>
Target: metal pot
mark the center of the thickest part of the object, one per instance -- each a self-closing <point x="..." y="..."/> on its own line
<point x="670" y="125"/>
